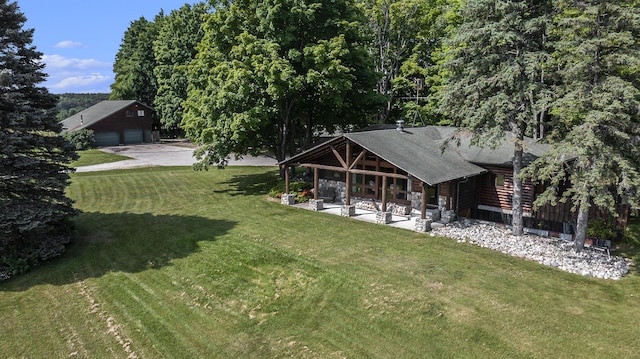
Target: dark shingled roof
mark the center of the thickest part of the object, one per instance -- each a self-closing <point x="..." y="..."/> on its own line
<point x="96" y="113"/>
<point x="419" y="152"/>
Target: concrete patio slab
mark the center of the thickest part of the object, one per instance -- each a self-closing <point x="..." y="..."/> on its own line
<point x="405" y="222"/>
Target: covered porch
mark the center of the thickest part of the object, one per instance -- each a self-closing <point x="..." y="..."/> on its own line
<point x="391" y="173"/>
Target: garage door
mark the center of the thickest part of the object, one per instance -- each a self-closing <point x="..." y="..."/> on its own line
<point x="106" y="138"/>
<point x="133" y="136"/>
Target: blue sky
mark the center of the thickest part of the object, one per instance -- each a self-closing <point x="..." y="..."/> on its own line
<point x="80" y="38"/>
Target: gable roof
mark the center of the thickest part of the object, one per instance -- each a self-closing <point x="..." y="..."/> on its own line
<point x="97" y="113"/>
<point x="424" y="153"/>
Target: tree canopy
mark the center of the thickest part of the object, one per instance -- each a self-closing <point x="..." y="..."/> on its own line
<point x="268" y="74"/>
<point x="405" y="34"/>
<point x="135" y="63"/>
<point x="34" y="211"/>
<point x="173" y="49"/>
<point x="71" y="103"/>
<point x="494" y="76"/>
<point x="596" y="138"/>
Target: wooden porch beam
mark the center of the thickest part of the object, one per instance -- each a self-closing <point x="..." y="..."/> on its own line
<point x="337" y="154"/>
<point x="355" y="170"/>
<point x="360" y="156"/>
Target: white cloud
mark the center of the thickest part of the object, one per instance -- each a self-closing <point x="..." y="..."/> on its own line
<point x="82" y="81"/>
<point x="68" y="44"/>
<point x="75" y="75"/>
<point x="61" y="62"/>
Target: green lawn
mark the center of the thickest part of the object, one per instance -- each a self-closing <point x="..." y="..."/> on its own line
<point x="173" y="263"/>
<point x="95" y="156"/>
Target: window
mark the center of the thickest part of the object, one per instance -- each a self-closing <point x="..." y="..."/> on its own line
<point x="129" y="113"/>
<point x="140" y="113"/>
<point x="499" y="180"/>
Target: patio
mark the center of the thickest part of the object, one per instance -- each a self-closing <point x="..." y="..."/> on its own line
<point x="405" y="222"/>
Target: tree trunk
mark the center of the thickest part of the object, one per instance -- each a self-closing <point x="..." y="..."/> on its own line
<point x="516" y="204"/>
<point x="282" y="146"/>
<point x="581" y="225"/>
<point x="308" y="135"/>
<point x="517" y="221"/>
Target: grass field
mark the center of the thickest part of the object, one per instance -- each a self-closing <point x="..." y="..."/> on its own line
<point x="172" y="263"/>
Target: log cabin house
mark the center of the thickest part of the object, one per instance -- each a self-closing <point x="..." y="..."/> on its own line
<point x="417" y="169"/>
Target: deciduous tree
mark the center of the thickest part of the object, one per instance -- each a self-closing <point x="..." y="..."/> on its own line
<point x="269" y="74"/>
<point x="404" y="35"/>
<point x="174" y="47"/>
<point x="135" y="63"/>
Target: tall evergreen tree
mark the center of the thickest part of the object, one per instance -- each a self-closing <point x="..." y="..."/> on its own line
<point x="135" y="63"/>
<point x="174" y="48"/>
<point x="494" y="71"/>
<point x="597" y="112"/>
<point x="271" y="73"/>
<point x="34" y="211"/>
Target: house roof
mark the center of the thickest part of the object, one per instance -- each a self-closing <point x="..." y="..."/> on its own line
<point x="425" y="154"/>
<point x="97" y="113"/>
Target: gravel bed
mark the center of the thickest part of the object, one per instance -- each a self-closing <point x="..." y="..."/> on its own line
<point x="552" y="252"/>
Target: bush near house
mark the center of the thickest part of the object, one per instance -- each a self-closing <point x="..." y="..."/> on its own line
<point x="301" y="189"/>
<point x="82" y="139"/>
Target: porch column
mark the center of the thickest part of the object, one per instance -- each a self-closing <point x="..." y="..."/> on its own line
<point x="287" y="198"/>
<point x="286" y="180"/>
<point x="384" y="193"/>
<point x="315" y="183"/>
<point x="347" y="199"/>
<point x="423" y="224"/>
<point x="423" y="202"/>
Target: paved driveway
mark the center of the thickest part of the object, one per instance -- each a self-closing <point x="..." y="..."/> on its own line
<point x="159" y="154"/>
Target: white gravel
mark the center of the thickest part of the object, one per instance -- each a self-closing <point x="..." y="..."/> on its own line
<point x="552" y="252"/>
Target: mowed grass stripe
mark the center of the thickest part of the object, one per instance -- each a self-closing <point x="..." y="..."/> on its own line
<point x="190" y="315"/>
<point x="155" y="317"/>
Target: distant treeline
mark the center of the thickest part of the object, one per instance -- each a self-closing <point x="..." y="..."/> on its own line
<point x="72" y="103"/>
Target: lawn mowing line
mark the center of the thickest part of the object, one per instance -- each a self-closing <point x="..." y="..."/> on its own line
<point x="353" y="314"/>
<point x="187" y="333"/>
<point x="113" y="328"/>
<point x="65" y="327"/>
<point x="180" y="341"/>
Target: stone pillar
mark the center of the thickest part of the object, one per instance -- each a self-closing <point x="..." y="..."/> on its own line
<point x="316" y="204"/>
<point x="448" y="216"/>
<point x="348" y="211"/>
<point x="383" y="217"/>
<point x="423" y="225"/>
<point x="288" y="199"/>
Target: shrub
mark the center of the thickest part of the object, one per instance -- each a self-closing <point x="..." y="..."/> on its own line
<point x="599" y="228"/>
<point x="82" y="139"/>
<point x="301" y="190"/>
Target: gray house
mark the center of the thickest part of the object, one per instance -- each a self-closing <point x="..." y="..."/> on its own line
<point x="120" y="122"/>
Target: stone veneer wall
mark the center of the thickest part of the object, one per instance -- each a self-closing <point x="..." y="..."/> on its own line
<point x="332" y="190"/>
<point x="367" y="204"/>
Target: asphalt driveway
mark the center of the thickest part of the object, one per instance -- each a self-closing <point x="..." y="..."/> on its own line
<point x="161" y="154"/>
